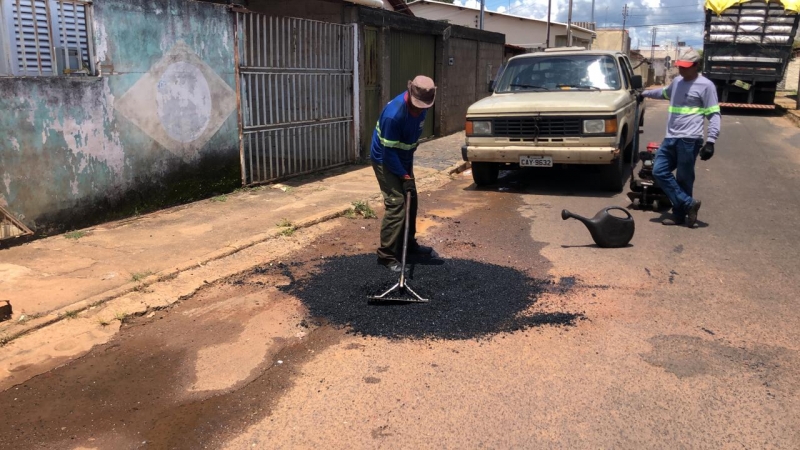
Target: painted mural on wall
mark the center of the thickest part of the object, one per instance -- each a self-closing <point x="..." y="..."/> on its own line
<point x="179" y="81"/>
<point x="156" y="127"/>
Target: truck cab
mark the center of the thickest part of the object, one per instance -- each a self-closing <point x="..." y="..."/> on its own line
<point x="568" y="106"/>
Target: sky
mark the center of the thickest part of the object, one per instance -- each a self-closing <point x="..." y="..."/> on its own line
<point x="642" y="16"/>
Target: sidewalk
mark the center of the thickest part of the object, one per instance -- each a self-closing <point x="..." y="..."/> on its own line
<point x="53" y="278"/>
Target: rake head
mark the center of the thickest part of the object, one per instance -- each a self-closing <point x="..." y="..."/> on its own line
<point x="401" y="293"/>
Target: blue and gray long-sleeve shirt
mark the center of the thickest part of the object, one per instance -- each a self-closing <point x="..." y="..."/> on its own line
<point x="690" y="103"/>
<point x="395" y="137"/>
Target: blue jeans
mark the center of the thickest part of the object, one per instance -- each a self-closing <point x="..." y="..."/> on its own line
<point x="680" y="154"/>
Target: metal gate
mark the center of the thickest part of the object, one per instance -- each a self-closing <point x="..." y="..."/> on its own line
<point x="297" y="89"/>
<point x="411" y="55"/>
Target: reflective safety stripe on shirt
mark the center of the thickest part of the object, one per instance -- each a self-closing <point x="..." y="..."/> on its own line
<point x="393" y="144"/>
<point x="687" y="110"/>
<point x="664" y="94"/>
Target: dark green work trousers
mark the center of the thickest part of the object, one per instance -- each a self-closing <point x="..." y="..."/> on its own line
<point x="392" y="226"/>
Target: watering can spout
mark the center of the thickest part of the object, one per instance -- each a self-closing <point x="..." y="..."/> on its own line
<point x="568" y="215"/>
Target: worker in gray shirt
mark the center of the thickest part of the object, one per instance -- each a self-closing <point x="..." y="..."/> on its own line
<point x="692" y="99"/>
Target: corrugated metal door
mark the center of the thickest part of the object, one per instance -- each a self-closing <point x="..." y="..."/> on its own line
<point x="372" y="86"/>
<point x="412" y="55"/>
<point x="296" y="80"/>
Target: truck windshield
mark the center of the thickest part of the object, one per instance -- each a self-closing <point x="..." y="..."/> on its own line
<point x="545" y="73"/>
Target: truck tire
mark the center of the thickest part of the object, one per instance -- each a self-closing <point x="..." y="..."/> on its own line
<point x="485" y="173"/>
<point x="632" y="154"/>
<point x="613" y="175"/>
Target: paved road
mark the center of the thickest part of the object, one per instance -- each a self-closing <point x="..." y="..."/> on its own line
<point x="686" y="339"/>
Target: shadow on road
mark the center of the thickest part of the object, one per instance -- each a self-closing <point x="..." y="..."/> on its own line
<point x="575" y="181"/>
<point x="741" y="112"/>
<point x="667" y="215"/>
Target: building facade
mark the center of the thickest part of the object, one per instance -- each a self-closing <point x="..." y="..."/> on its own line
<point x="117" y="107"/>
<point x="520" y="31"/>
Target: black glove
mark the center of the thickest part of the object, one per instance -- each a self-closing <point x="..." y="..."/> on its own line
<point x="639" y="97"/>
<point x="707" y="151"/>
<point x="410" y="186"/>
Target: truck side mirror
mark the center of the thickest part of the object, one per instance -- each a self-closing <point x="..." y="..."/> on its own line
<point x="636" y="82"/>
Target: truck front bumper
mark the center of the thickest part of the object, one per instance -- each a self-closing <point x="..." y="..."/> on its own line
<point x="560" y="155"/>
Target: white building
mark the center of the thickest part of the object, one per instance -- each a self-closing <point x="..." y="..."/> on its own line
<point x="520" y="31"/>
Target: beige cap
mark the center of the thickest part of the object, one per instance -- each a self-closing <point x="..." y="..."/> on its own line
<point x="688" y="59"/>
<point x="422" y="91"/>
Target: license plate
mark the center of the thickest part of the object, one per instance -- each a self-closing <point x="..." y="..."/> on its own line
<point x="535" y="161"/>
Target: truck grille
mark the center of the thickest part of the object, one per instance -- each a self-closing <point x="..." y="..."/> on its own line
<point x="538" y="126"/>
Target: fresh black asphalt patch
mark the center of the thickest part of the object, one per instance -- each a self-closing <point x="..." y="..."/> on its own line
<point x="468" y="299"/>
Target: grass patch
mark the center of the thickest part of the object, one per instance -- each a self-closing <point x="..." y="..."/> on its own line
<point x="121" y="316"/>
<point x="75" y="235"/>
<point x="350" y="214"/>
<point x="220" y="198"/>
<point x="248" y="189"/>
<point x="139" y="276"/>
<point x="25" y="318"/>
<point x="103" y="322"/>
<point x="288" y="231"/>
<point x="71" y="314"/>
<point x="284" y="223"/>
<point x="362" y="208"/>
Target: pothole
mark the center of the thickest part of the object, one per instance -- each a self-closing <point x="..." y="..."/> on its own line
<point x="468" y="299"/>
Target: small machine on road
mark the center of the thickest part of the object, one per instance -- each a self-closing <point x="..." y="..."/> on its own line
<point x="643" y="187"/>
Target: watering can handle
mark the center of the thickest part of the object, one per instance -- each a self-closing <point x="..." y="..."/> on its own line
<point x="621" y="209"/>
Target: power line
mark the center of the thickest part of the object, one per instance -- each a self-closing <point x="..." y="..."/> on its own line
<point x="666" y="24"/>
<point x="679" y="6"/>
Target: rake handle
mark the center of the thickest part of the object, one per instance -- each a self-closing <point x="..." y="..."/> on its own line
<point x="405" y="240"/>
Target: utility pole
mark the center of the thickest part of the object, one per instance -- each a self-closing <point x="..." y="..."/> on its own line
<point x="483" y="8"/>
<point x="653" y="44"/>
<point x="549" y="7"/>
<point x="625" y="11"/>
<point x="595" y="24"/>
<point x="569" y="25"/>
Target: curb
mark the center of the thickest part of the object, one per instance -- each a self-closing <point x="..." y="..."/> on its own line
<point x="97" y="300"/>
<point x="107" y="296"/>
<point x="795" y="118"/>
<point x="458" y="168"/>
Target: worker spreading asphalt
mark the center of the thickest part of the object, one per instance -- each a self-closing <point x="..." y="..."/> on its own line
<point x="468" y="299"/>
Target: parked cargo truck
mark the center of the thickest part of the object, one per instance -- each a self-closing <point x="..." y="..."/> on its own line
<point x="746" y="51"/>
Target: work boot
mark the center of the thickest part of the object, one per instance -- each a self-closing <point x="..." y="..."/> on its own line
<point x="417" y="249"/>
<point x="672" y="221"/>
<point x="692" y="214"/>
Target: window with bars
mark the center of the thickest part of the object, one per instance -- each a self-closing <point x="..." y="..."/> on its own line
<point x="46" y="37"/>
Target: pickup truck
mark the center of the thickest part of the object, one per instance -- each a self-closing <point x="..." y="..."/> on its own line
<point x="560" y="106"/>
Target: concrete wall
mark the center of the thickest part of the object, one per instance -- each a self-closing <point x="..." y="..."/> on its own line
<point x="476" y="54"/>
<point x="612" y="40"/>
<point x="466" y="81"/>
<point x="333" y="11"/>
<point x="790" y="79"/>
<point x="158" y="127"/>
<point x="518" y="30"/>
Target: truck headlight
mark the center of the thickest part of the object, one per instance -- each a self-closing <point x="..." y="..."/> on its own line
<point x="481" y="127"/>
<point x="594" y="126"/>
<point x="600" y="126"/>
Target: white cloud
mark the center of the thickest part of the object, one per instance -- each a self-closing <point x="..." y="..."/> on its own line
<point x="643" y="15"/>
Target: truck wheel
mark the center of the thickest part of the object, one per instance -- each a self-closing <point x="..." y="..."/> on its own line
<point x="613" y="175"/>
<point x="632" y="154"/>
<point x="485" y="173"/>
